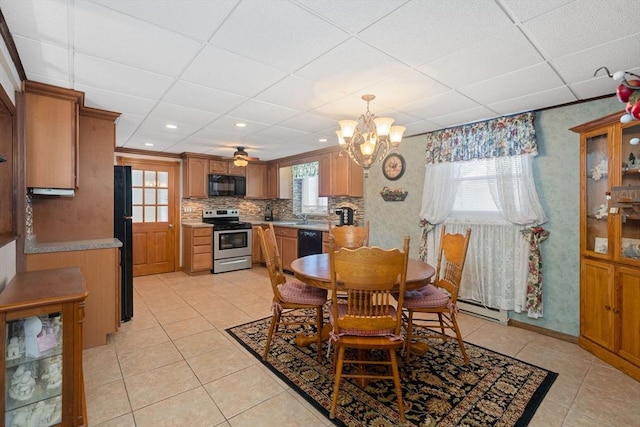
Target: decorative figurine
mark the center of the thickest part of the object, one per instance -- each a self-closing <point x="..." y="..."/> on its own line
<point x="24" y="388"/>
<point x="13" y="348"/>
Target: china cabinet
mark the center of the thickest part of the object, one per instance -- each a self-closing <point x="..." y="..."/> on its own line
<point x="42" y="314"/>
<point x="610" y="242"/>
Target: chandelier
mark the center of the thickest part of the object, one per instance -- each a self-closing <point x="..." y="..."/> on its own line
<point x="369" y="139"/>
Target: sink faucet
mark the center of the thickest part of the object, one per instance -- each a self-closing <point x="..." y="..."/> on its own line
<point x="303" y="217"/>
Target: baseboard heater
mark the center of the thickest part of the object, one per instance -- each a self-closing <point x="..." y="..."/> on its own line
<point x="476" y="308"/>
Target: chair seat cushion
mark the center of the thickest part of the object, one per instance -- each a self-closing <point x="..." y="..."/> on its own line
<point x="426" y="297"/>
<point x="342" y="311"/>
<point x="296" y="292"/>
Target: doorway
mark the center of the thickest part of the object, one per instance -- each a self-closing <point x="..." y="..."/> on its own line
<point x="155" y="212"/>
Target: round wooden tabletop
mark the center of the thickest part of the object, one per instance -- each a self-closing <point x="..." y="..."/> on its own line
<point x="315" y="270"/>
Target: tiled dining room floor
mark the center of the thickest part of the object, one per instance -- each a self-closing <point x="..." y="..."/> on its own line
<point x="174" y="365"/>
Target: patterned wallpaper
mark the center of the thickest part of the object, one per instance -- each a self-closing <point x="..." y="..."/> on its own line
<point x="557" y="175"/>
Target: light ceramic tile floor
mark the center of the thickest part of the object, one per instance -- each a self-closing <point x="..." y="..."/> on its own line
<point x="174" y="365"/>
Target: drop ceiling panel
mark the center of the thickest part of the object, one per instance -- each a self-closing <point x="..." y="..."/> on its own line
<point x="169" y="113"/>
<point x="421" y="31"/>
<point x="43" y="21"/>
<point x="523" y="82"/>
<point x="299" y="94"/>
<point x="281" y="34"/>
<point x="198" y="21"/>
<point x="259" y="111"/>
<point x="115" y="101"/>
<point x="92" y="71"/>
<point x="583" y="24"/>
<point x="223" y="70"/>
<point x="202" y="98"/>
<point x="352" y="15"/>
<point x="44" y="59"/>
<point x="115" y="37"/>
<point x="501" y="54"/>
<point x="557" y="96"/>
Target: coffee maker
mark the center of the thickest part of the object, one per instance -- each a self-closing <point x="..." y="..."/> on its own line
<point x="268" y="213"/>
<point x="346" y="215"/>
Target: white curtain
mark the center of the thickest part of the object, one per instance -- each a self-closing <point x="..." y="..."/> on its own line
<point x="514" y="190"/>
<point x="496" y="267"/>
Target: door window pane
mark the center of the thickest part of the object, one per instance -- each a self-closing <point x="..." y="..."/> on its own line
<point x="136" y="178"/>
<point x="163" y="213"/>
<point x="149" y="178"/>
<point x="150" y="196"/>
<point x="149" y="214"/>
<point x="163" y="196"/>
<point x="163" y="179"/>
<point x="136" y="196"/>
<point x="137" y="213"/>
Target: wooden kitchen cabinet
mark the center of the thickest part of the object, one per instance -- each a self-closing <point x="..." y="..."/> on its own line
<point x="610" y="242"/>
<point x="256" y="181"/>
<point x="256" y="248"/>
<point x="195" y="177"/>
<point x="52" y="136"/>
<point x="225" y="167"/>
<point x="340" y="176"/>
<point x="42" y="375"/>
<point x="272" y="181"/>
<point x="100" y="268"/>
<point x="197" y="246"/>
<point x="287" y="241"/>
<point x="325" y="242"/>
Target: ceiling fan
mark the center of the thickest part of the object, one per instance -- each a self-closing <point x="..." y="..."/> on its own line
<point x="241" y="157"/>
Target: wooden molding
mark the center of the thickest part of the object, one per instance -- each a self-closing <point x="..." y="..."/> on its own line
<point x="543" y="331"/>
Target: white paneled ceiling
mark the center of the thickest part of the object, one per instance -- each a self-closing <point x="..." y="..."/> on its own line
<point x="291" y="69"/>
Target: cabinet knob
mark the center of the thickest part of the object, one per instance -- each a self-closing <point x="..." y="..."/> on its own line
<point x="607" y="307"/>
<point x="171" y="226"/>
<point x="615" y="310"/>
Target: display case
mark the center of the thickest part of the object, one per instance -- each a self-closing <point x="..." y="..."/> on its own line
<point x="610" y="241"/>
<point x="41" y="314"/>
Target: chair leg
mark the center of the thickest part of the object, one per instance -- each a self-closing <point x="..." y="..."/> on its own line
<point x="459" y="335"/>
<point x="409" y="333"/>
<point x="319" y="333"/>
<point x="275" y="319"/>
<point x="441" y="327"/>
<point x="336" y="386"/>
<point x="396" y="380"/>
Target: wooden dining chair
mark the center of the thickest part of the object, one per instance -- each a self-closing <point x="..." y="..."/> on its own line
<point x="439" y="298"/>
<point x="350" y="236"/>
<point x="290" y="295"/>
<point x="367" y="320"/>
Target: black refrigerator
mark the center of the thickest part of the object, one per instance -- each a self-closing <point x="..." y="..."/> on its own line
<point x="122" y="223"/>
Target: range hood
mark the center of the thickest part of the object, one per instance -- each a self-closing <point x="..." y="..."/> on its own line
<point x="65" y="192"/>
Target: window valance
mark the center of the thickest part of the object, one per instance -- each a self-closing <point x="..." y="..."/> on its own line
<point x="504" y="136"/>
<point x="305" y="170"/>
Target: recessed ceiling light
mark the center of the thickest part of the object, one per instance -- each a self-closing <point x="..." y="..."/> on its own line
<point x="171" y="126"/>
<point x="148" y="144"/>
<point x="241" y="125"/>
<point x="323" y="140"/>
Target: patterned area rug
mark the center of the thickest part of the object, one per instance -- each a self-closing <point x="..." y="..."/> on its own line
<point x="438" y="389"/>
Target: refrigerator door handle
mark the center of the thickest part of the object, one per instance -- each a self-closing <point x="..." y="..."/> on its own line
<point x="128" y="217"/>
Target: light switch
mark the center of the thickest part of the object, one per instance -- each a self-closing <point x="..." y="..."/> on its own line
<point x="613" y="210"/>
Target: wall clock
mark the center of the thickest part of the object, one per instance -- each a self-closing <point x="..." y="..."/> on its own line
<point x="393" y="166"/>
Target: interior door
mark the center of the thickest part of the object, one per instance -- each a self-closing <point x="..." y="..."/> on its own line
<point x="155" y="204"/>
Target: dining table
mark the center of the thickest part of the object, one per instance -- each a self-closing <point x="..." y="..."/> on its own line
<point x="315" y="270"/>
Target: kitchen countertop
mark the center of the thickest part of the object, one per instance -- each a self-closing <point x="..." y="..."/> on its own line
<point x="310" y="225"/>
<point x="32" y="247"/>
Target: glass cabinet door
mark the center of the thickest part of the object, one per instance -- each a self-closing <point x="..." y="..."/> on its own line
<point x="629" y="197"/>
<point x="597" y="190"/>
<point x="33" y="371"/>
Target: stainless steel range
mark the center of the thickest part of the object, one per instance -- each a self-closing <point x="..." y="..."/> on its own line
<point x="231" y="240"/>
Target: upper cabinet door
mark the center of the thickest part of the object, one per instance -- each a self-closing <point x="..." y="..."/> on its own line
<point x="627" y="197"/>
<point x="51" y="141"/>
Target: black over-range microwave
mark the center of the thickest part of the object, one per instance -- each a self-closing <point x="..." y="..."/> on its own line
<point x="226" y="185"/>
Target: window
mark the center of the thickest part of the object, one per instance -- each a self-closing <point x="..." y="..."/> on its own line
<point x="473" y="198"/>
<point x="311" y="203"/>
<point x="150" y="195"/>
<point x="305" y="190"/>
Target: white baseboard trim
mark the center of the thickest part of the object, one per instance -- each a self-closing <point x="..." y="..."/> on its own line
<point x="476" y="308"/>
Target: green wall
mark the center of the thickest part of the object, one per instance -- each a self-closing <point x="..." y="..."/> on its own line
<point x="557" y="176"/>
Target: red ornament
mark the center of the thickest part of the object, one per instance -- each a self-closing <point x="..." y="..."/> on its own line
<point x="624" y="91"/>
<point x="635" y="110"/>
